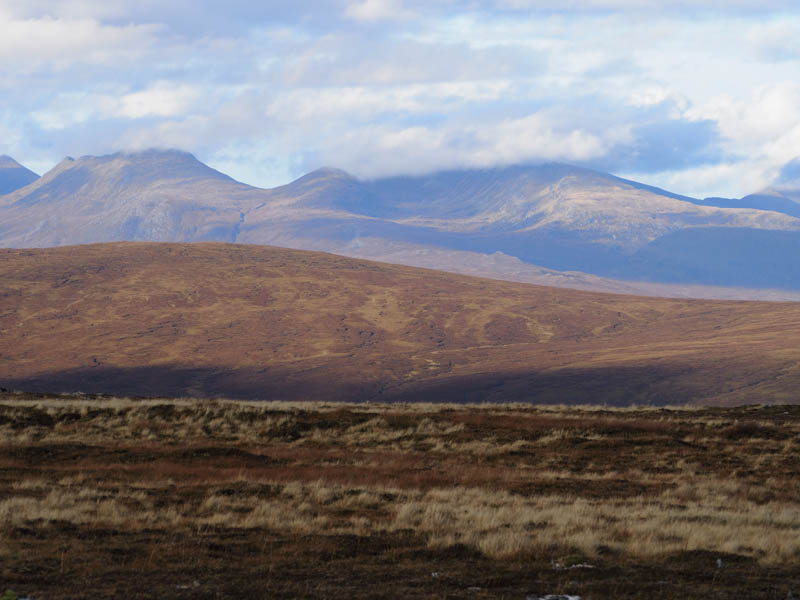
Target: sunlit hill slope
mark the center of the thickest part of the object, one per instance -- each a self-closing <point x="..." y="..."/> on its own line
<point x="258" y="322"/>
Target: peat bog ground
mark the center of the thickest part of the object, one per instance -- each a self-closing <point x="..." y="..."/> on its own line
<point x="109" y="497"/>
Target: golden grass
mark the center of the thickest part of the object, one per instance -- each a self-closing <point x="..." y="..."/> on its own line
<point x="507" y="481"/>
<point x="713" y="516"/>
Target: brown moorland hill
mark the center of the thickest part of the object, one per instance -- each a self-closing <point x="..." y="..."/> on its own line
<point x="207" y="320"/>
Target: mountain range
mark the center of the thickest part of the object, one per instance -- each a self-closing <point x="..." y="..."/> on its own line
<point x="551" y="223"/>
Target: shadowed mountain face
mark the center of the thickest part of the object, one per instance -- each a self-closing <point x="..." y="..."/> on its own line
<point x="243" y="321"/>
<point x="528" y="223"/>
<point x="13" y="175"/>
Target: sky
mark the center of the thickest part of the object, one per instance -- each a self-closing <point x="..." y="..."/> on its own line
<point x="699" y="97"/>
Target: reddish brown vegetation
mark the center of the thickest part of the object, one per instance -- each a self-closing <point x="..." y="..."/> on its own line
<point x="103" y="497"/>
<point x="256" y="322"/>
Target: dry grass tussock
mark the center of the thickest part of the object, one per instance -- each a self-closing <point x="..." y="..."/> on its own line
<point x="498" y="523"/>
<point x="507" y="481"/>
<point x="506" y="525"/>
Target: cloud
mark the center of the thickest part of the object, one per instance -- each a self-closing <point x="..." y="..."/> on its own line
<point x="184" y="17"/>
<point x="766" y="124"/>
<point x="724" y="6"/>
<point x="757" y="136"/>
<point x="384" y="150"/>
<point x="776" y="40"/>
<point x="186" y="133"/>
<point x="378" y="10"/>
<point x="10" y="135"/>
<point x="725" y="179"/>
<point x="162" y="99"/>
<point x="359" y="104"/>
<point x="656" y="95"/>
<point x="384" y="87"/>
<point x="347" y="60"/>
<point x="60" y="42"/>
<point x="159" y="99"/>
<point x="789" y="176"/>
<point x="667" y="144"/>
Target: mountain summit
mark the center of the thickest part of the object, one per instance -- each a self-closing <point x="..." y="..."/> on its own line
<point x="155" y="195"/>
<point x="13" y="175"/>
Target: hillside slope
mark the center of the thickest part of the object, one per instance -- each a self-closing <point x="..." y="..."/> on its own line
<point x="257" y="322"/>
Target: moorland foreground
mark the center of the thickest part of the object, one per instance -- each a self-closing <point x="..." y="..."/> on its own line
<point x="109" y="497"/>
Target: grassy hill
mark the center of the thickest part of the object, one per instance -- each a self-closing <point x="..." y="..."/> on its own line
<point x="208" y="320"/>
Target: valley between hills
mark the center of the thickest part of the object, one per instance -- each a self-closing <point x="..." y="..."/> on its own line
<point x="251" y="322"/>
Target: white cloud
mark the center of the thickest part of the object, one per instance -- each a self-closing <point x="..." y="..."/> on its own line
<point x="379" y="151"/>
<point x="764" y="124"/>
<point x="184" y="134"/>
<point x="728" y="179"/>
<point x="96" y="9"/>
<point x="378" y="10"/>
<point x="653" y="95"/>
<point x="760" y="132"/>
<point x="162" y="99"/>
<point x="59" y="43"/>
<point x="649" y="5"/>
<point x="159" y="99"/>
<point x="434" y="84"/>
<point x="534" y="138"/>
<point x="777" y="39"/>
<point x="10" y="136"/>
<point x="69" y="109"/>
<point x="358" y="104"/>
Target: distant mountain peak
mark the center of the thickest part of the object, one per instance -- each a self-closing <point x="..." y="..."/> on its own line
<point x="13" y="175"/>
<point x="323" y="177"/>
<point x="327" y="173"/>
<point x="152" y="194"/>
<point x="144" y="165"/>
<point x="6" y="162"/>
<point x="151" y="153"/>
<point x="146" y="155"/>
